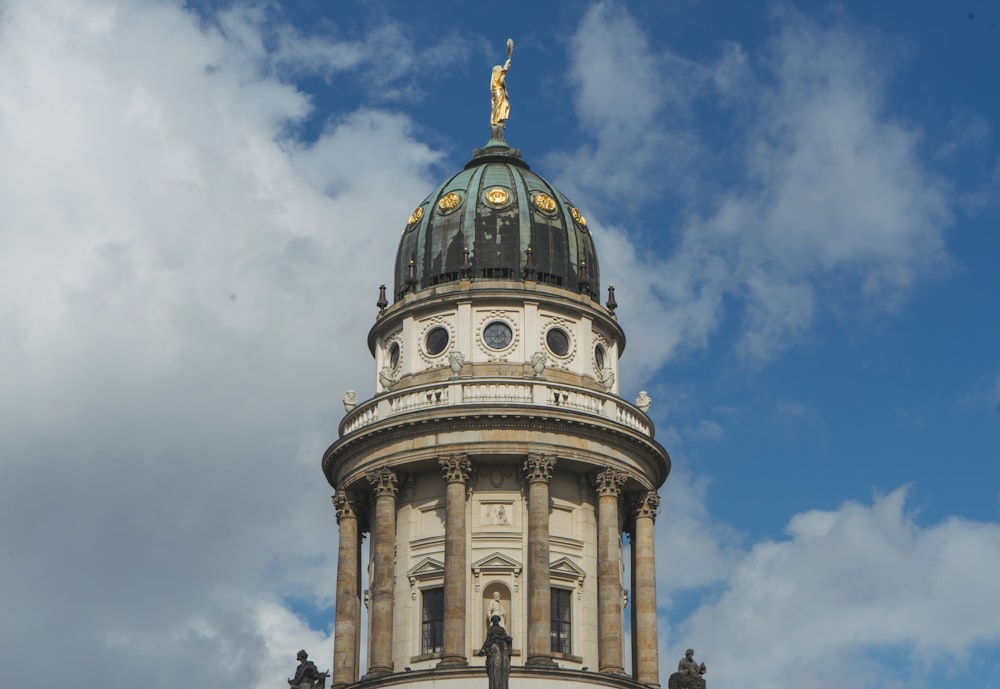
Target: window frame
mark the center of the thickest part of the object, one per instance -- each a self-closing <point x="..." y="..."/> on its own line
<point x="431" y="621"/>
<point x="561" y="621"/>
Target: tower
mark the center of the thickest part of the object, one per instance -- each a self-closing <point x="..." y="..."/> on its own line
<point x="496" y="468"/>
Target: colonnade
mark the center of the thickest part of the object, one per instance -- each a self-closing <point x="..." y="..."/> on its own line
<point x="456" y="469"/>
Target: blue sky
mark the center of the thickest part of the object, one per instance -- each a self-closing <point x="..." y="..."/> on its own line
<point x="797" y="202"/>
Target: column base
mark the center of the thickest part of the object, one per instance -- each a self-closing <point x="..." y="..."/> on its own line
<point x="540" y="661"/>
<point x="613" y="670"/>
<point x="453" y="661"/>
<point x="374" y="672"/>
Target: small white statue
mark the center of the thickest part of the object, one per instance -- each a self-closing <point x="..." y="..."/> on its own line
<point x="496" y="608"/>
<point x="538" y="360"/>
<point x="386" y="377"/>
<point x="350" y="400"/>
<point x="456" y="360"/>
<point x="607" y="378"/>
<point x="643" y="401"/>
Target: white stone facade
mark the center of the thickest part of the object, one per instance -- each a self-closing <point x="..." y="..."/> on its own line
<point x="495" y="465"/>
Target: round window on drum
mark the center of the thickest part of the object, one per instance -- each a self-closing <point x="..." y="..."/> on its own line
<point x="394" y="356"/>
<point x="599" y="357"/>
<point x="437" y="341"/>
<point x="497" y="335"/>
<point x="557" y="341"/>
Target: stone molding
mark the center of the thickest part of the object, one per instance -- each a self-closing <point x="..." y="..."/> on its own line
<point x="345" y="504"/>
<point x="609" y="482"/>
<point x="456" y="468"/>
<point x="646" y="504"/>
<point x="539" y="467"/>
<point x="383" y="481"/>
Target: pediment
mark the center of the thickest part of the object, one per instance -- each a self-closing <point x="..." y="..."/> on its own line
<point x="497" y="562"/>
<point x="564" y="568"/>
<point x="426" y="569"/>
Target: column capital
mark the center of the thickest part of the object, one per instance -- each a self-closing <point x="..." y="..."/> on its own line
<point x="456" y="468"/>
<point x="383" y="481"/>
<point x="346" y="504"/>
<point x="609" y="482"/>
<point x="539" y="467"/>
<point x="646" y="504"/>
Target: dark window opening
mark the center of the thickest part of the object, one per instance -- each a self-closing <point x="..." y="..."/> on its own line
<point x="498" y="273"/>
<point x="432" y="621"/>
<point x="561" y="639"/>
<point x="437" y="340"/>
<point x="558" y="341"/>
<point x="444" y="277"/>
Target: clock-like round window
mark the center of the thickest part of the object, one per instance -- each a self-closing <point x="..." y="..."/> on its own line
<point x="557" y="341"/>
<point x="497" y="335"/>
<point x="394" y="355"/>
<point x="599" y="357"/>
<point x="437" y="340"/>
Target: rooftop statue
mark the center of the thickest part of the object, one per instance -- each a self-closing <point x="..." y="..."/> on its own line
<point x="688" y="675"/>
<point x="306" y="674"/>
<point x="497" y="649"/>
<point x="498" y="94"/>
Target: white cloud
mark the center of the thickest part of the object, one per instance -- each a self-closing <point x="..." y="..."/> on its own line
<point x="629" y="108"/>
<point x="815" y="609"/>
<point x="694" y="549"/>
<point x="178" y="276"/>
<point x="831" y="202"/>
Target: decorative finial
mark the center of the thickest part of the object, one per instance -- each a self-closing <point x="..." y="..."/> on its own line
<point x="498" y="95"/>
<point x="382" y="301"/>
<point x="584" y="277"/>
<point x="612" y="304"/>
<point x="411" y="274"/>
<point x="529" y="264"/>
<point x="466" y="267"/>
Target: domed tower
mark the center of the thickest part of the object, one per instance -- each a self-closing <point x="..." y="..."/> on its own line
<point x="496" y="468"/>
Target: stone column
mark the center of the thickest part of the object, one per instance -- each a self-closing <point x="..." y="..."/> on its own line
<point x="456" y="470"/>
<point x="538" y="470"/>
<point x="646" y="666"/>
<point x="347" y="627"/>
<point x="384" y="485"/>
<point x="609" y="587"/>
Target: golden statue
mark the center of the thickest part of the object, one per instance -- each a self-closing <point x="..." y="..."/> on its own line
<point x="498" y="94"/>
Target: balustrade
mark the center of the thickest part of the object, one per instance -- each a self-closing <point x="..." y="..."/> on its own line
<point x="528" y="393"/>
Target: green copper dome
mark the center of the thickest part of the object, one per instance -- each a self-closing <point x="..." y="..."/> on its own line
<point x="496" y="220"/>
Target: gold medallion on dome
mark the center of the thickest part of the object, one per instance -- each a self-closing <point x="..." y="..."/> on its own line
<point x="497" y="197"/>
<point x="544" y="203"/>
<point x="577" y="218"/>
<point x="449" y="202"/>
<point x="415" y="216"/>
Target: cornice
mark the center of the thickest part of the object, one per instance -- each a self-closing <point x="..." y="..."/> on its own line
<point x="525" y="419"/>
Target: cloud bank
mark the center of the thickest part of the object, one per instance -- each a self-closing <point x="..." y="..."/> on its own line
<point x="830" y="201"/>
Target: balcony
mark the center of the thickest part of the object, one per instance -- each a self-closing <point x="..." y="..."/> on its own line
<point x="493" y="392"/>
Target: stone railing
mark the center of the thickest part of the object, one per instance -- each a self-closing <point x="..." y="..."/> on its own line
<point x="528" y="393"/>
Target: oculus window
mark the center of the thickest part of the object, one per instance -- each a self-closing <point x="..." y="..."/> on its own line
<point x="437" y="341"/>
<point x="557" y="341"/>
<point x="497" y="335"/>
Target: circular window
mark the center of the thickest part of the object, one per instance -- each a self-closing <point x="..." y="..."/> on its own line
<point x="394" y="356"/>
<point x="599" y="357"/>
<point x="497" y="335"/>
<point x="437" y="340"/>
<point x="558" y="341"/>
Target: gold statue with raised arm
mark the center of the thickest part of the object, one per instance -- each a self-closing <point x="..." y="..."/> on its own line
<point x="498" y="94"/>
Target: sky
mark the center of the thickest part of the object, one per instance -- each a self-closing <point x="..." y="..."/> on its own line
<point x="797" y="203"/>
